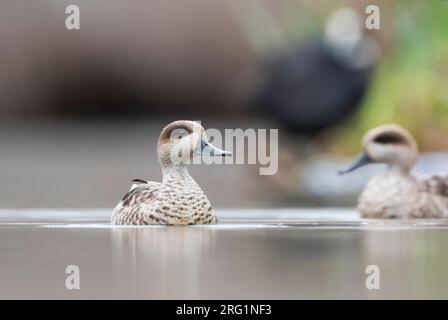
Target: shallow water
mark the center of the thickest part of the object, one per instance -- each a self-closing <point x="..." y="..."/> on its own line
<point x="277" y="254"/>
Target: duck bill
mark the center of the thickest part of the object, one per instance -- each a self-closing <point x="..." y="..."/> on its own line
<point x="362" y="160"/>
<point x="206" y="148"/>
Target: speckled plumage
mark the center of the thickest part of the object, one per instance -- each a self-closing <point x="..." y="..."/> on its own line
<point x="177" y="200"/>
<point x="394" y="194"/>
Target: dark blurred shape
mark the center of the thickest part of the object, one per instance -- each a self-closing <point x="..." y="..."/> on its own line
<point x="308" y="89"/>
<point x="318" y="84"/>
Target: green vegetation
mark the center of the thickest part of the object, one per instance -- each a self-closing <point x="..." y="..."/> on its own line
<point x="410" y="86"/>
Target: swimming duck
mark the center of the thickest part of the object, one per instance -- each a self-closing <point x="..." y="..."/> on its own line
<point x="178" y="199"/>
<point x="396" y="193"/>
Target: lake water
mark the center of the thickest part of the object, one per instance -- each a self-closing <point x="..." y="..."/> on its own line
<point x="251" y="254"/>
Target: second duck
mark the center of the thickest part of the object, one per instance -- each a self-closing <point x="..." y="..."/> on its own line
<point x="396" y="193"/>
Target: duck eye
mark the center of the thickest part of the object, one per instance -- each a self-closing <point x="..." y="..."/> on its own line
<point x="178" y="133"/>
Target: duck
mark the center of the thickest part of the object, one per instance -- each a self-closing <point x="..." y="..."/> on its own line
<point x="396" y="192"/>
<point x="178" y="199"/>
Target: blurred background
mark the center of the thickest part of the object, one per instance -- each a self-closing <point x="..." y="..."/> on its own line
<point x="81" y="110"/>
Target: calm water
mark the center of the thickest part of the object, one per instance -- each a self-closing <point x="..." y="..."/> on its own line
<point x="278" y="254"/>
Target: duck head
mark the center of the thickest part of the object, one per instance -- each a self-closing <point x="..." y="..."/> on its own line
<point x="389" y="144"/>
<point x="182" y="140"/>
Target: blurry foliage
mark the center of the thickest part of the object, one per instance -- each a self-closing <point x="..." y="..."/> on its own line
<point x="410" y="86"/>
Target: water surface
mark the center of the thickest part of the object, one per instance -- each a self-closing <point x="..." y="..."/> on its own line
<point x="251" y="254"/>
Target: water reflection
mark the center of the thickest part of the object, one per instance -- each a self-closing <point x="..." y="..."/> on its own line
<point x="278" y="262"/>
<point x="160" y="262"/>
<point x="413" y="263"/>
<point x="294" y="257"/>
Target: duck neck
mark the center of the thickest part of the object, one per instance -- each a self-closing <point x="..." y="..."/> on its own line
<point x="399" y="170"/>
<point x="175" y="171"/>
